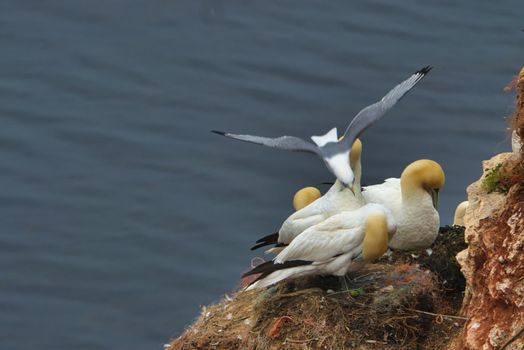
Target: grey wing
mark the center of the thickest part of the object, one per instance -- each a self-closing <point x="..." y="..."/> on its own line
<point x="288" y="143"/>
<point x="366" y="117"/>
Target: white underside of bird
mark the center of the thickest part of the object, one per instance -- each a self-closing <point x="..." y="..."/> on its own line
<point x="336" y="246"/>
<point x="332" y="151"/>
<point x="338" y="198"/>
<point x="417" y="219"/>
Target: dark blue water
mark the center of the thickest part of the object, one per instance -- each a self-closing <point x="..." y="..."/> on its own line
<point x="120" y="213"/>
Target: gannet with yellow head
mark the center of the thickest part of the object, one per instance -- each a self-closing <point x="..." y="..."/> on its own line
<point x="338" y="245"/>
<point x="337" y="199"/>
<point x="305" y="197"/>
<point x="413" y="200"/>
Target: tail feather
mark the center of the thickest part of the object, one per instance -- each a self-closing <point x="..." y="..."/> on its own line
<point x="270" y="266"/>
<point x="260" y="245"/>
<point x="269" y="278"/>
<point x="273" y="237"/>
<point x="266" y="240"/>
<point x="258" y="269"/>
<point x="274" y="250"/>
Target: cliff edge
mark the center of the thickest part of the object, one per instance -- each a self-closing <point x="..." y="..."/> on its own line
<point x="493" y="263"/>
<point x="419" y="300"/>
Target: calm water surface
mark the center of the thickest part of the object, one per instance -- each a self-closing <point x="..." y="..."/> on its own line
<point x="120" y="212"/>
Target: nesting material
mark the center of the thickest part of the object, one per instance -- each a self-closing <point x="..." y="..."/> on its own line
<point x="387" y="307"/>
<point x="441" y="260"/>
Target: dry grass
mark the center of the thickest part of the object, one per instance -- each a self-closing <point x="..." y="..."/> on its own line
<point x="391" y="306"/>
<point x="440" y="259"/>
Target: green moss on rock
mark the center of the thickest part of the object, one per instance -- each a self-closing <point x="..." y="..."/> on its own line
<point x="493" y="180"/>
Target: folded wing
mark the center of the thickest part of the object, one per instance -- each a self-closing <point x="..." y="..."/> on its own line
<point x="340" y="234"/>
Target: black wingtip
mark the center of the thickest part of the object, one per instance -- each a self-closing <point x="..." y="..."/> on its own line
<point x="272" y="238"/>
<point x="260" y="245"/>
<point x="259" y="268"/>
<point x="218" y="132"/>
<point x="424" y="70"/>
<point x="263" y="244"/>
<point x="270" y="266"/>
<point x="266" y="240"/>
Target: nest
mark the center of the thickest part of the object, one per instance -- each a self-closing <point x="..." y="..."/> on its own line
<point x="441" y="260"/>
<point x="403" y="304"/>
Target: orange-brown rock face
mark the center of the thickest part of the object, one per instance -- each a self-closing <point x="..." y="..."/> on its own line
<point x="518" y="119"/>
<point x="493" y="265"/>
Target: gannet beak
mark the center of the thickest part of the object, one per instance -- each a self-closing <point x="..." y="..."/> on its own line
<point x="434" y="196"/>
<point x="353" y="186"/>
<point x="348" y="186"/>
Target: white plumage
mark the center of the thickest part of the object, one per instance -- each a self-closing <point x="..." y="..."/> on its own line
<point x="337" y="245"/>
<point x="332" y="151"/>
<point x="337" y="199"/>
<point x="330" y="136"/>
<point x="460" y="213"/>
<point x="411" y="200"/>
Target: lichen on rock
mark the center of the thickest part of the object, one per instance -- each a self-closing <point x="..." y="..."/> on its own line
<point x="493" y="266"/>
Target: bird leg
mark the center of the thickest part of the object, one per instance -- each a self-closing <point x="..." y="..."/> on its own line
<point x="344" y="283"/>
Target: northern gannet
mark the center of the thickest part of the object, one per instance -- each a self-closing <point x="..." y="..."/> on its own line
<point x="413" y="200"/>
<point x="334" y="151"/>
<point x="460" y="211"/>
<point x="336" y="246"/>
<point x="305" y="197"/>
<point x="339" y="198"/>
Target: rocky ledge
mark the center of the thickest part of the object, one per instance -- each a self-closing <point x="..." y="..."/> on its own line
<point x="417" y="300"/>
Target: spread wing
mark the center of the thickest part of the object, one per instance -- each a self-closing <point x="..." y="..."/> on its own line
<point x="288" y="143"/>
<point x="369" y="115"/>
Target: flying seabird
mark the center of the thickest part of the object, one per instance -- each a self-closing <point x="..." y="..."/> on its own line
<point x="337" y="199"/>
<point x="335" y="151"/>
<point x="336" y="246"/>
<point x="413" y="200"/>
